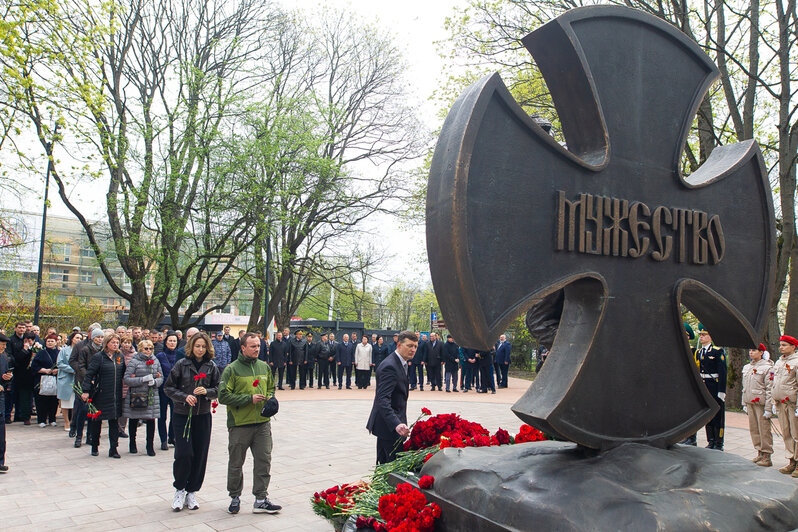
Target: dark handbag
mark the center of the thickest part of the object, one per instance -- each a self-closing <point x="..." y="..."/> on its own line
<point x="139" y="400"/>
<point x="270" y="407"/>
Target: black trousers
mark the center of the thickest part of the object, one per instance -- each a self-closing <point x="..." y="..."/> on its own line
<point x="133" y="428"/>
<point x="165" y="429"/>
<point x="362" y="377"/>
<point x="291" y="377"/>
<point x="503" y="369"/>
<point x="334" y="371"/>
<point x="96" y="425"/>
<point x="387" y="449"/>
<point x="191" y="453"/>
<point x="306" y="375"/>
<point x="78" y="417"/>
<point x="348" y="369"/>
<point x="434" y="375"/>
<point x="324" y="372"/>
<point x="2" y="438"/>
<point x="486" y="378"/>
<point x="46" y="408"/>
<point x="279" y="374"/>
<point x="716" y="426"/>
<point x="416" y="375"/>
<point x="23" y="400"/>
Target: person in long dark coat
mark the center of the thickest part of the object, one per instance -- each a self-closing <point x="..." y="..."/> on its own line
<point x="277" y="359"/>
<point x="103" y="385"/>
<point x="416" y="365"/>
<point x="44" y="363"/>
<point x="434" y="361"/>
<point x="451" y="359"/>
<point x="22" y="353"/>
<point x="297" y="359"/>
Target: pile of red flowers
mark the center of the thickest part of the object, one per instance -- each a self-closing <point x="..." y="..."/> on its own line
<point x="407" y="510"/>
<point x="450" y="430"/>
<point x="528" y="434"/>
<point x="335" y="500"/>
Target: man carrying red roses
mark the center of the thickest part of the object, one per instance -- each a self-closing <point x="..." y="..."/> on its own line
<point x="245" y="385"/>
<point x="388" y="419"/>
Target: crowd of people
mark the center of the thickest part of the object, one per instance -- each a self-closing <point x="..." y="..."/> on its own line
<point x="127" y="378"/>
<point x="168" y="383"/>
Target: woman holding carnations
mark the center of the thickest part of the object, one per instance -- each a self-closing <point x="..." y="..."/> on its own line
<point x="167" y="358"/>
<point x="66" y="379"/>
<point x="44" y="363"/>
<point x="192" y="384"/>
<point x="126" y="347"/>
<point x="143" y="377"/>
<point x="102" y="390"/>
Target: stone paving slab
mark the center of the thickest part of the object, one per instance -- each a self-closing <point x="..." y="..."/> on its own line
<point x="320" y="440"/>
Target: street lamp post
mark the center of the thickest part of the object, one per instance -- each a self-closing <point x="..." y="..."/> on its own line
<point x="37" y="304"/>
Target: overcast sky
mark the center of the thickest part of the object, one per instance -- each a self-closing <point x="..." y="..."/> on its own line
<point x="416" y="25"/>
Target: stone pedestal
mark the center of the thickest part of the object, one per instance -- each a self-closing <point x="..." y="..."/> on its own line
<point x="559" y="486"/>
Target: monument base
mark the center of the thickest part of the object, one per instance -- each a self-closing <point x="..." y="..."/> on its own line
<point x="559" y="486"/>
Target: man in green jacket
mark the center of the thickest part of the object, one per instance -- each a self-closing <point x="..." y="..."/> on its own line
<point x="245" y="385"/>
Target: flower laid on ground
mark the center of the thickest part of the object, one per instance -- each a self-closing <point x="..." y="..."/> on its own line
<point x="407" y="509"/>
<point x="336" y="501"/>
<point x="528" y="433"/>
<point x="426" y="482"/>
<point x="378" y="505"/>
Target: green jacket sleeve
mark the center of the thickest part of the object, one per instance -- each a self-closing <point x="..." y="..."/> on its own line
<point x="226" y="390"/>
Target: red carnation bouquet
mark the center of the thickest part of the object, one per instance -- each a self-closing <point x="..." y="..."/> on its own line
<point x="93" y="413"/>
<point x="187" y="430"/>
<point x="528" y="433"/>
<point x="334" y="503"/>
<point x="407" y="510"/>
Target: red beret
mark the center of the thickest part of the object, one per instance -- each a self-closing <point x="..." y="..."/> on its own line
<point x="789" y="340"/>
<point x="762" y="347"/>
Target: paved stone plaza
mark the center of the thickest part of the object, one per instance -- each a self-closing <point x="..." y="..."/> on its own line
<point x="320" y="440"/>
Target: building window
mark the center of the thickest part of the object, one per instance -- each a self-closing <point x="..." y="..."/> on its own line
<point x="62" y="251"/>
<point x="85" y="276"/>
<point x="86" y="251"/>
<point x="59" y="275"/>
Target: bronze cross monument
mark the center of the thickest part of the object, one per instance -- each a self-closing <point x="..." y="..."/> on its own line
<point x="512" y="216"/>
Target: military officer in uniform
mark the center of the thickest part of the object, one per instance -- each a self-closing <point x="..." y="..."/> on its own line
<point x="711" y="362"/>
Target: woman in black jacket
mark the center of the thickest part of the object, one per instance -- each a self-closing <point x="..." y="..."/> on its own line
<point x="44" y="363"/>
<point x="192" y="384"/>
<point x="104" y="382"/>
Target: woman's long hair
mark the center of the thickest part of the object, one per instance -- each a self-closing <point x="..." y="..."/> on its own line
<point x="209" y="352"/>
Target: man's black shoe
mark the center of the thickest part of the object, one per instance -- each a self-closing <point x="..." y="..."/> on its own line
<point x="455" y="389"/>
<point x="493" y="391"/>
<point x="164" y="446"/>
<point x="340" y="388"/>
<point x="77" y="443"/>
<point x="348" y="387"/>
<point x="328" y="387"/>
<point x="280" y="388"/>
<point x="266" y="506"/>
<point x="95" y="451"/>
<point x="123" y="434"/>
<point x="72" y="433"/>
<point x="710" y="445"/>
<point x="235" y="505"/>
<point x="3" y="469"/>
<point x="113" y="454"/>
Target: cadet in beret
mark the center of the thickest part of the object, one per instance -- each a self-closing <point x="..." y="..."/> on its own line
<point x="785" y="389"/>
<point x="757" y="403"/>
<point x="711" y="362"/>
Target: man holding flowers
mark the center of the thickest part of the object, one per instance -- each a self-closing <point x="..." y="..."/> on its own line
<point x="245" y="385"/>
<point x="388" y="419"/>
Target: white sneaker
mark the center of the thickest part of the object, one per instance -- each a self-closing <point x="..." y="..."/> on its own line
<point x="191" y="501"/>
<point x="42" y="425"/>
<point x="179" y="501"/>
<point x="54" y="424"/>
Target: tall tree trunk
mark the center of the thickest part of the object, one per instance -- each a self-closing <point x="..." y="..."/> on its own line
<point x="734" y="379"/>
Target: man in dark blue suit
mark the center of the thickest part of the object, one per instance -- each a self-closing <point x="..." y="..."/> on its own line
<point x="345" y="358"/>
<point x="416" y="365"/>
<point x="503" y="348"/>
<point x="388" y="418"/>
